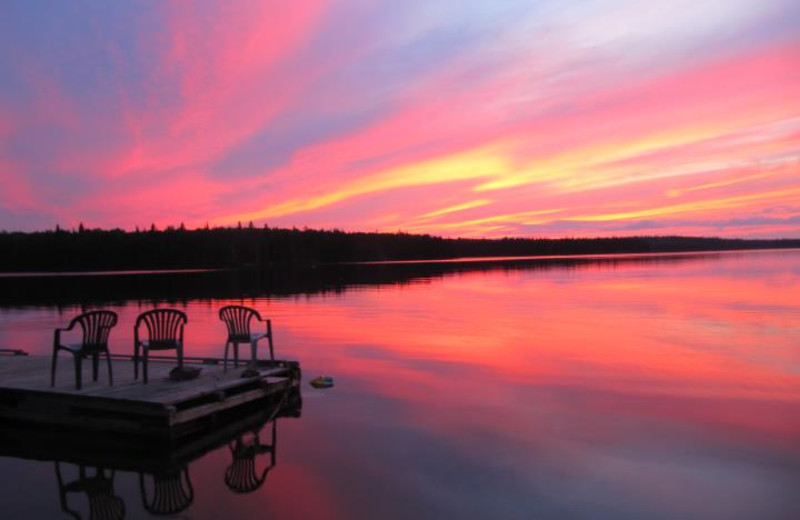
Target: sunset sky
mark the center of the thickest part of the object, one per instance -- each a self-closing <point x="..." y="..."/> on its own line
<point x="451" y="117"/>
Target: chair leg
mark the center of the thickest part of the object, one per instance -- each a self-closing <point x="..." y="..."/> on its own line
<point x="271" y="352"/>
<point x="78" y="367"/>
<point x="62" y="493"/>
<point x="110" y="372"/>
<point x="144" y="365"/>
<point x="53" y="368"/>
<point x="136" y="361"/>
<point x="253" y="349"/>
<point x="236" y="355"/>
<point x="180" y="356"/>
<point x="95" y="366"/>
<point x="225" y="357"/>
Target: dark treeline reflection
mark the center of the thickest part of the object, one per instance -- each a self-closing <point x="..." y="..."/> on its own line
<point x="178" y="248"/>
<point x="89" y="289"/>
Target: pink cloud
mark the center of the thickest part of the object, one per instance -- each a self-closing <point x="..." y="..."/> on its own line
<point x="644" y="135"/>
<point x="227" y="67"/>
<point x="538" y="135"/>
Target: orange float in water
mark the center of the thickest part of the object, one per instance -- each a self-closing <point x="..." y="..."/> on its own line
<point x="322" y="382"/>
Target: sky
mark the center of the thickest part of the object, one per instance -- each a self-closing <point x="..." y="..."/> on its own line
<point x="451" y="117"/>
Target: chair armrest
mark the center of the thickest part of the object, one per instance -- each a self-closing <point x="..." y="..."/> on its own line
<point x="57" y="334"/>
<point x="264" y="320"/>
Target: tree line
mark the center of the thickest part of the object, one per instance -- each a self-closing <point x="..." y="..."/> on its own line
<point x="251" y="247"/>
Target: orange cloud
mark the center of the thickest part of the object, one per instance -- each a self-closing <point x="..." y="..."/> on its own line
<point x="268" y="111"/>
<point x="787" y="195"/>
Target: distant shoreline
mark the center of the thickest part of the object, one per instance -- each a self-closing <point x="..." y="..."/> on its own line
<point x="589" y="256"/>
<point x="113" y="252"/>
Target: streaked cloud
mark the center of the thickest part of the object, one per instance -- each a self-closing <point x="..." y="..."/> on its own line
<point x="459" y="118"/>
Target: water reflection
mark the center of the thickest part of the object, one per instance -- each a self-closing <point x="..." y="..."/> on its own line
<point x="184" y="286"/>
<point x="98" y="486"/>
<point x="87" y="467"/>
<point x="664" y="389"/>
<point x="241" y="476"/>
<point x="171" y="493"/>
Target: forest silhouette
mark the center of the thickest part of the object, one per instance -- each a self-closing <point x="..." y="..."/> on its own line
<point x="252" y="247"/>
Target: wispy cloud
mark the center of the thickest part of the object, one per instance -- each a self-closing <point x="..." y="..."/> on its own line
<point x="460" y="118"/>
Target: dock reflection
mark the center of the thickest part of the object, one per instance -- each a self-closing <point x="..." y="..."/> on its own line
<point x="169" y="491"/>
<point x="241" y="476"/>
<point x="98" y="486"/>
<point x="88" y="467"/>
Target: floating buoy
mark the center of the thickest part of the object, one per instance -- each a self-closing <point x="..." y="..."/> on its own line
<point x="322" y="382"/>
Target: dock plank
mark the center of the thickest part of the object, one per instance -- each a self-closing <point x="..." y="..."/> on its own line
<point x="26" y="394"/>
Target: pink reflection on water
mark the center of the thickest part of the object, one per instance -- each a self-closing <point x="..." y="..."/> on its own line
<point x="642" y="387"/>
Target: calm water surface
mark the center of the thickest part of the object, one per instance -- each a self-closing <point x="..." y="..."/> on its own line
<point x="658" y="389"/>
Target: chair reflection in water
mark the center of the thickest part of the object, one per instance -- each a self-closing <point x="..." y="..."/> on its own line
<point x="96" y="327"/>
<point x="99" y="489"/>
<point x="237" y="319"/>
<point x="164" y="332"/>
<point x="242" y="476"/>
<point x="171" y="491"/>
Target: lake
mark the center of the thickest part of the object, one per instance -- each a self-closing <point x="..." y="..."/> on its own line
<point x="624" y="387"/>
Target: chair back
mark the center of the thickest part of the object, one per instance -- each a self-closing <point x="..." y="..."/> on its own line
<point x="237" y="318"/>
<point x="241" y="476"/>
<point x="99" y="489"/>
<point x="103" y="507"/>
<point x="164" y="327"/>
<point x="96" y="327"/>
<point x="172" y="491"/>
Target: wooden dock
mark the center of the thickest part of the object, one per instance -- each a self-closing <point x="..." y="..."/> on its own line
<point x="86" y="463"/>
<point x="141" y="453"/>
<point x="162" y="408"/>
